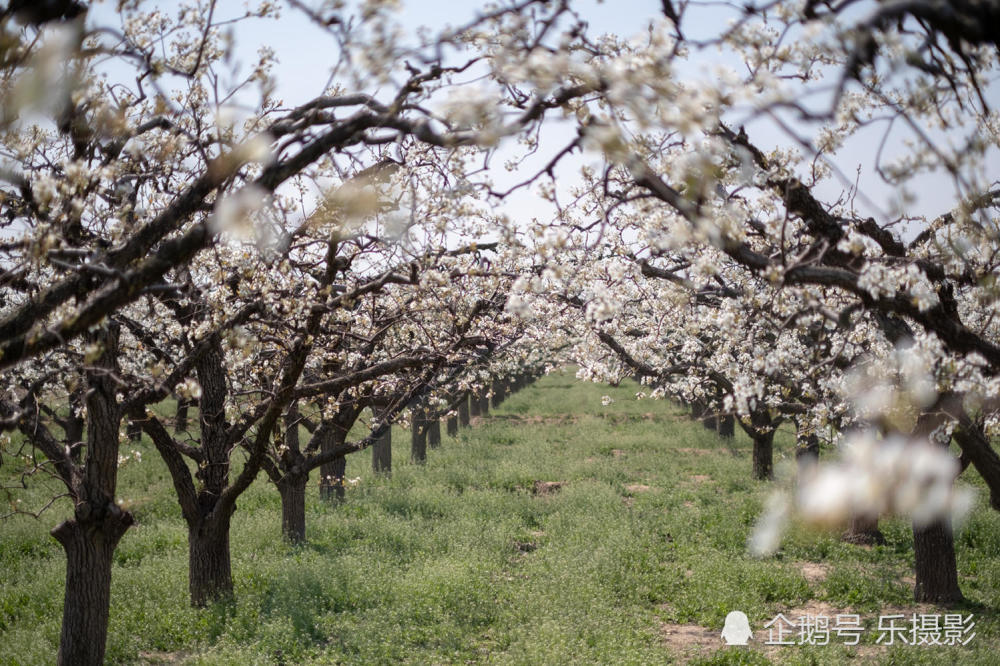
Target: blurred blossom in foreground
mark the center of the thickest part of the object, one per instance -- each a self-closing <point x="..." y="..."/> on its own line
<point x="874" y="477"/>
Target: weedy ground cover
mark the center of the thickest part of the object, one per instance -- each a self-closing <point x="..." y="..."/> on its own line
<point x="557" y="530"/>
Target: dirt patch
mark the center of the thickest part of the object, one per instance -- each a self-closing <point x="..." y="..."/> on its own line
<point x="518" y="419"/>
<point x="814" y="572"/>
<point x="547" y="487"/>
<point x="688" y="504"/>
<point x="688" y="641"/>
<point x="618" y="453"/>
<point x="157" y="657"/>
<point x="637" y="488"/>
<point x="700" y="478"/>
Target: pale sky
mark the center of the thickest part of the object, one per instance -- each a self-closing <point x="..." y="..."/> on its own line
<point x="305" y="56"/>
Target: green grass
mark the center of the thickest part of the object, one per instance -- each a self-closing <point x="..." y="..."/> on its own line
<point x="459" y="560"/>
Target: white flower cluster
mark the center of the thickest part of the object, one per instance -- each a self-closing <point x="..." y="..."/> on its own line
<point x="874" y="477"/>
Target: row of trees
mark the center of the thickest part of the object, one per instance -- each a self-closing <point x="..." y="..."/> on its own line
<point x="716" y="273"/>
<point x="308" y="266"/>
<point x="173" y="229"/>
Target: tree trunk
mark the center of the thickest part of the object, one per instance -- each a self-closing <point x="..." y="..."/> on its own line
<point x="181" y="416"/>
<point x="727" y="426"/>
<point x="292" y="489"/>
<point x="418" y="437"/>
<point x="763" y="454"/>
<point x="382" y="453"/>
<point x="484" y="405"/>
<point x="89" y="550"/>
<point x="499" y="392"/>
<point x="864" y="531"/>
<point x="452" y="426"/>
<point x="331" y="482"/>
<point x="434" y="433"/>
<point x="976" y="449"/>
<point x="210" y="574"/>
<point x="936" y="571"/>
<point x="697" y="409"/>
<point x="463" y="412"/>
<point x="475" y="405"/>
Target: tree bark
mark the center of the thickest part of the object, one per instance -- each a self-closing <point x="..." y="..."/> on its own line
<point x="761" y="430"/>
<point x="499" y="392"/>
<point x="210" y="575"/>
<point x="91" y="536"/>
<point x="331" y="479"/>
<point x="936" y="570"/>
<point x="976" y="449"/>
<point x="697" y="409"/>
<point x="484" y="405"/>
<point x="181" y="416"/>
<point x="452" y="426"/>
<point x="763" y="455"/>
<point x="331" y="482"/>
<point x="418" y="437"/>
<point x="89" y="547"/>
<point x="210" y="572"/>
<point x="727" y="426"/>
<point x="292" y="489"/>
<point x="434" y="433"/>
<point x="475" y="405"/>
<point x="382" y="453"/>
<point x="463" y="412"/>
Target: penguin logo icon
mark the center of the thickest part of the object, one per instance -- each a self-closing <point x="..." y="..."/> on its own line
<point x="737" y="629"/>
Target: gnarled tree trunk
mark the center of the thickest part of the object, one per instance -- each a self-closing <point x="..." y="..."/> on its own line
<point x="90" y="547"/>
<point x="210" y="571"/>
<point x="98" y="524"/>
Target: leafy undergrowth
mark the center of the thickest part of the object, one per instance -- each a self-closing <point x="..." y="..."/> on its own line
<point x="639" y="537"/>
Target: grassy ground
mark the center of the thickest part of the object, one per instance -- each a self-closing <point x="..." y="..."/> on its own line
<point x="636" y="558"/>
